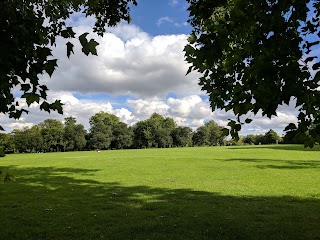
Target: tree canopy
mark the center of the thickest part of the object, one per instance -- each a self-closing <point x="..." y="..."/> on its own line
<point x="256" y="55"/>
<point x="29" y="29"/>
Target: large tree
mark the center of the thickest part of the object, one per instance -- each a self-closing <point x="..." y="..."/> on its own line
<point x="6" y="140"/>
<point x="74" y="135"/>
<point x="29" y="30"/>
<point x="256" y="55"/>
<point x="52" y="135"/>
<point x="208" y="135"/>
<point x="28" y="139"/>
<point x="122" y="136"/>
<point x="101" y="130"/>
<point x="182" y="136"/>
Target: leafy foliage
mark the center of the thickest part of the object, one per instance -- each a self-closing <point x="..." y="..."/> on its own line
<point x="101" y="130"/>
<point x="29" y="30"/>
<point x="74" y="135"/>
<point x="2" y="153"/>
<point x="256" y="55"/>
<point x="208" y="135"/>
<point x="154" y="132"/>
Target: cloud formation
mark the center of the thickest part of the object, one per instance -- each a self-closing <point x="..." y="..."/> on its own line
<point x="129" y="62"/>
<point x="147" y="71"/>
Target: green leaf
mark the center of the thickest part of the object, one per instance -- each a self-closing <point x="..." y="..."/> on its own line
<point x="57" y="105"/>
<point x="92" y="47"/>
<point x="316" y="66"/>
<point x="192" y="38"/>
<point x="309" y="59"/>
<point x="25" y="87"/>
<point x="291" y="126"/>
<point x="189" y="50"/>
<point x="45" y="106"/>
<point x="31" y="98"/>
<point x="69" y="49"/>
<point x="50" y="66"/>
<point x="1" y="128"/>
<point x="248" y="120"/>
<point x="237" y="127"/>
<point x="225" y="132"/>
<point x="189" y="70"/>
<point x="84" y="43"/>
<point x="68" y="33"/>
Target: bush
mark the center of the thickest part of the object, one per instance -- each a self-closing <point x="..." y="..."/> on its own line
<point x="2" y="154"/>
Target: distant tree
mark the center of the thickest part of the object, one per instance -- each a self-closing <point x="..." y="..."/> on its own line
<point x="215" y="133"/>
<point x="249" y="139"/>
<point x="28" y="139"/>
<point x="2" y="152"/>
<point x="161" y="130"/>
<point x="101" y="130"/>
<point x="74" y="135"/>
<point x="6" y="140"/>
<point x="208" y="135"/>
<point x="235" y="142"/>
<point x="52" y="135"/>
<point x="201" y="137"/>
<point x="182" y="136"/>
<point x="122" y="136"/>
<point x="143" y="137"/>
<point x="271" y="137"/>
<point x="154" y="132"/>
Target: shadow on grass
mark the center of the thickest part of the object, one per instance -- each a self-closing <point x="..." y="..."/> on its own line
<point x="280" y="164"/>
<point x="50" y="203"/>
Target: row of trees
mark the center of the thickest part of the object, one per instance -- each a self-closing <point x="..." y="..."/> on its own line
<point x="108" y="132"/>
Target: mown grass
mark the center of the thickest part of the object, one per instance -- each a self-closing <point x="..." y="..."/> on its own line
<point x="253" y="192"/>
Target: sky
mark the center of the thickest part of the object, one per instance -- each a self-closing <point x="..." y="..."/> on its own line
<point x="139" y="70"/>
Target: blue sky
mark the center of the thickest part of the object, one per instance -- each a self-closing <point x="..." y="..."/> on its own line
<point x="139" y="70"/>
<point x="158" y="17"/>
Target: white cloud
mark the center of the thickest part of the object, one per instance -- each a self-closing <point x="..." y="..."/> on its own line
<point x="129" y="62"/>
<point x="173" y="2"/>
<point x="163" y="20"/>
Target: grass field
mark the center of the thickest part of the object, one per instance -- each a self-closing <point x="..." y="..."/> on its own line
<point x="252" y="192"/>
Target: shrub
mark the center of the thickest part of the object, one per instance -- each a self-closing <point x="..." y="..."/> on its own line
<point x="2" y="154"/>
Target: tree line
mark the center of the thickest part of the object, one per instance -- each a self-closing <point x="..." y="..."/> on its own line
<point x="108" y="132"/>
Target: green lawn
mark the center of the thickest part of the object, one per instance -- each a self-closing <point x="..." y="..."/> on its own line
<point x="253" y="192"/>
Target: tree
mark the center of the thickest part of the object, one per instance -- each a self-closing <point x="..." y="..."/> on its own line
<point x="101" y="130"/>
<point x="256" y="55"/>
<point x="122" y="136"/>
<point x="6" y="140"/>
<point x="52" y="135"/>
<point x="28" y="139"/>
<point x="208" y="135"/>
<point x="249" y="139"/>
<point x="182" y="136"/>
<point x="142" y="135"/>
<point x="271" y="137"/>
<point x="29" y="30"/>
<point x="74" y="135"/>
<point x="215" y="134"/>
<point x="161" y="129"/>
<point x="154" y="132"/>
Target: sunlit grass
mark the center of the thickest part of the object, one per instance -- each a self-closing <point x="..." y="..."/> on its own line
<point x="252" y="192"/>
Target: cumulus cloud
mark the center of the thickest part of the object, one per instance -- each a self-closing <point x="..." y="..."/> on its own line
<point x="129" y="62"/>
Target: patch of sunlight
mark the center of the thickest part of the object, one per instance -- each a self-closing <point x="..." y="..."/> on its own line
<point x="147" y="198"/>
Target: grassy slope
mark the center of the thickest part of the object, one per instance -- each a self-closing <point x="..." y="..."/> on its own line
<point x="186" y="193"/>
